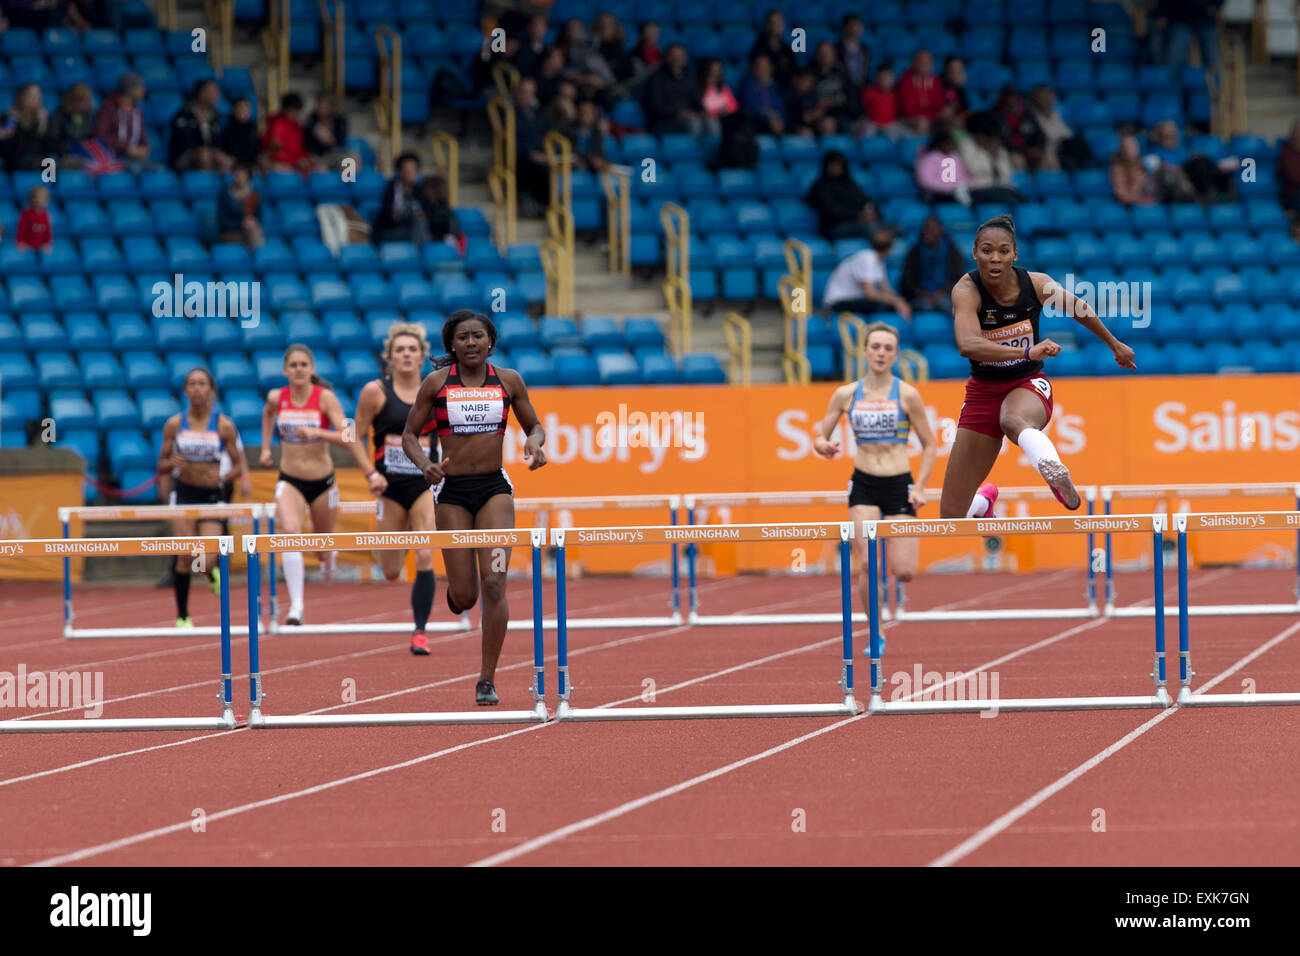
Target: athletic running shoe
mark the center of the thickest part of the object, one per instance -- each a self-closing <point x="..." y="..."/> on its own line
<point x="866" y="651"/>
<point x="451" y="605"/>
<point x="185" y="622"/>
<point x="214" y="581"/>
<point x="329" y="566"/>
<point x="485" y="695"/>
<point x="419" y="643"/>
<point x="295" y="618"/>
<point x="1057" y="477"/>
<point x="989" y="492"/>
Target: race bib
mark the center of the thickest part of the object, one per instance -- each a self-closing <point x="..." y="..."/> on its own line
<point x="1018" y="336"/>
<point x="471" y="410"/>
<point x="874" y="418"/>
<point x="395" y="460"/>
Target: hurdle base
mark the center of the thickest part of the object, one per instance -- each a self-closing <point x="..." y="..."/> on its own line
<point x="1236" y="700"/>
<point x="77" y="633"/>
<point x="847" y="708"/>
<point x="1208" y="610"/>
<point x="486" y="716"/>
<point x="993" y="707"/>
<point x="999" y="614"/>
<point x="102" y="724"/>
<point x="405" y="627"/>
<point x="725" y="620"/>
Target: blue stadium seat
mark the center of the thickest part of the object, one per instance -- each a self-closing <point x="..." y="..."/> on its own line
<point x="70" y="411"/>
<point x="702" y="369"/>
<point x="115" y="409"/>
<point x="44" y="333"/>
<point x="576" y="369"/>
<point x="643" y="333"/>
<point x="536" y="370"/>
<point x="558" y="332"/>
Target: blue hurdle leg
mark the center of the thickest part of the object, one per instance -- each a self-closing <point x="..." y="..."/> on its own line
<point x="539" y="675"/>
<point x="561" y="633"/>
<point x="1158" y="543"/>
<point x="1185" y="672"/>
<point x="67" y="587"/>
<point x="846" y="616"/>
<point x="254" y="619"/>
<point x="227" y="689"/>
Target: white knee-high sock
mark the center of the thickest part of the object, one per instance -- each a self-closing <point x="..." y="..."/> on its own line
<point x="1037" y="447"/>
<point x="979" y="507"/>
<point x="293" y="574"/>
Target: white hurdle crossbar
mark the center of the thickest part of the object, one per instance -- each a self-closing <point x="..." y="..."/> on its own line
<point x="222" y="546"/>
<point x="873" y="530"/>
<point x="1243" y="521"/>
<point x="257" y="545"/>
<point x="825" y="531"/>
<point x="1111" y="493"/>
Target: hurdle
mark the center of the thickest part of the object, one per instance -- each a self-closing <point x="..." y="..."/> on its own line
<point x="145" y="513"/>
<point x="900" y="613"/>
<point x="1152" y="524"/>
<point x="223" y="546"/>
<point x="257" y="545"/>
<point x="807" y="531"/>
<point x="1245" y="521"/>
<point x="1111" y="493"/>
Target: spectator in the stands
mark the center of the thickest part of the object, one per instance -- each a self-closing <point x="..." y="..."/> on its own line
<point x="585" y="64"/>
<point x="531" y="170"/>
<point x="1288" y="169"/>
<point x="761" y="99"/>
<point x="588" y="138"/>
<point x="1130" y="179"/>
<point x="325" y="134"/>
<point x="843" y="209"/>
<point x="528" y="58"/>
<point x="646" y="54"/>
<point x="834" y="89"/>
<point x="920" y="93"/>
<point x="404" y="215"/>
<point x="940" y="171"/>
<point x="1062" y="149"/>
<point x="932" y="267"/>
<point x="806" y="113"/>
<point x="35" y="231"/>
<point x="72" y="123"/>
<point x="550" y="75"/>
<point x="239" y="209"/>
<point x="860" y="282"/>
<point x="195" y="135"/>
<point x="853" y="56"/>
<point x="1174" y="23"/>
<point x="611" y="43"/>
<point x="443" y="225"/>
<point x="239" y="137"/>
<point x="25" y="130"/>
<point x="282" y="142"/>
<point x="716" y="98"/>
<point x="739" y="146"/>
<point x="954" y="90"/>
<point x="1206" y="179"/>
<point x="773" y="44"/>
<point x="880" y="104"/>
<point x="672" y="98"/>
<point x="561" y="113"/>
<point x="1021" y="136"/>
<point x="988" y="164"/>
<point x="121" y="126"/>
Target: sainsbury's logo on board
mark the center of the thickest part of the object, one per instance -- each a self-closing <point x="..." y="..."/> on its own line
<point x="1182" y="428"/>
<point x="795" y="426"/>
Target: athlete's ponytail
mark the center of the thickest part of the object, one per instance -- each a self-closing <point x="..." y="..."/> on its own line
<point x="1004" y="222"/>
<point x="299" y="347"/>
<point x="449" y="334"/>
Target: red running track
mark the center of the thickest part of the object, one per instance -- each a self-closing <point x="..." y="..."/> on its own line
<point x="1206" y="787"/>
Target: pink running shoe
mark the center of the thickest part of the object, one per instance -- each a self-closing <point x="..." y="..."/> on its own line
<point x="989" y="492"/>
<point x="1057" y="477"/>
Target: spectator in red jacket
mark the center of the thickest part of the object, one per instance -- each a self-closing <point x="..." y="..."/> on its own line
<point x="920" y="93"/>
<point x="120" y="124"/>
<point x="34" y="228"/>
<point x="880" y="104"/>
<point x="282" y="143"/>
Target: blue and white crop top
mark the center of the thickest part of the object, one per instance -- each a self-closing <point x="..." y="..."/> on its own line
<point x="879" y="420"/>
<point x="199" y="446"/>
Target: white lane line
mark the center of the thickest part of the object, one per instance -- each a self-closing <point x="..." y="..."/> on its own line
<point x="1015" y="813"/>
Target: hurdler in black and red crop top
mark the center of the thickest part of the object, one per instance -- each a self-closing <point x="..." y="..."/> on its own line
<point x="461" y="409"/>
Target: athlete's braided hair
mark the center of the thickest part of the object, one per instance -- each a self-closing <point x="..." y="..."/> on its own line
<point x="1004" y="221"/>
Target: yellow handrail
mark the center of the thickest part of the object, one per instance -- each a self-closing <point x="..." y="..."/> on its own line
<point x="332" y="34"/>
<point x="740" y="344"/>
<point x="501" y="184"/>
<point x="918" y="371"/>
<point x="446" y="153"/>
<point x="796" y="368"/>
<point x="388" y="106"/>
<point x="798" y="260"/>
<point x="794" y="320"/>
<point x="501" y="114"/>
<point x="275" y="41"/>
<point x="501" y="177"/>
<point x="505" y="77"/>
<point x="165" y="11"/>
<point x="221" y="14"/>
<point x="556" y="265"/>
<point x="676" y="223"/>
<point x="618" y="206"/>
<point x="559" y="166"/>
<point x="853" y="340"/>
<point x="677" y="294"/>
